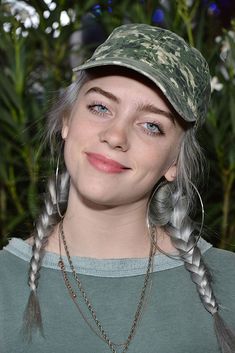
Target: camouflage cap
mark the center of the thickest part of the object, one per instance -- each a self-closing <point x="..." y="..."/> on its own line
<point x="180" y="71"/>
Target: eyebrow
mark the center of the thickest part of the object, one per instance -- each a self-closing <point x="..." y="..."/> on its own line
<point x="150" y="108"/>
<point x="153" y="109"/>
<point x="104" y="93"/>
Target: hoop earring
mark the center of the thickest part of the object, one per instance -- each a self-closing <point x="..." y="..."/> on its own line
<point x="151" y="225"/>
<point x="57" y="183"/>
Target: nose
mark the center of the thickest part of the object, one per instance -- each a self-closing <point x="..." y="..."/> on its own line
<point x="116" y="136"/>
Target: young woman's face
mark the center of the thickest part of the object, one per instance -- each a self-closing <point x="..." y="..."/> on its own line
<point x="120" y="140"/>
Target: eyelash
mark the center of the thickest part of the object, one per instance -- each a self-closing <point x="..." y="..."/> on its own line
<point x="153" y="133"/>
<point x="91" y="107"/>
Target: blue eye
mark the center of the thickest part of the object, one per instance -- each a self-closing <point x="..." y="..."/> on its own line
<point x="101" y="108"/>
<point x="98" y="108"/>
<point x="152" y="128"/>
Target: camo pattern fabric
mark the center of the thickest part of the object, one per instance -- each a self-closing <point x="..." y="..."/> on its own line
<point x="180" y="71"/>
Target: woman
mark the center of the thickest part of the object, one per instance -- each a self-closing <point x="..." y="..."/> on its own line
<point x="115" y="237"/>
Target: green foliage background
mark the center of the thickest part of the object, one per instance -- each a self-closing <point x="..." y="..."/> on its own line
<point x="35" y="65"/>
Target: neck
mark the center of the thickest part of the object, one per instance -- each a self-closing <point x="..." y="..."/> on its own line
<point x="104" y="232"/>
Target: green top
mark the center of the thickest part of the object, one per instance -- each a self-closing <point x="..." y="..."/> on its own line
<point x="173" y="321"/>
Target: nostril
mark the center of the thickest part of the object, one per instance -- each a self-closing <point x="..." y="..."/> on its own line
<point x="115" y="137"/>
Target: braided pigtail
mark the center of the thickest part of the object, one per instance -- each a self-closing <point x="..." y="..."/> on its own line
<point x="55" y="204"/>
<point x="170" y="210"/>
<point x="47" y="220"/>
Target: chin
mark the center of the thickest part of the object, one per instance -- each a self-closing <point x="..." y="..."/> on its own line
<point x="97" y="195"/>
<point x="96" y="202"/>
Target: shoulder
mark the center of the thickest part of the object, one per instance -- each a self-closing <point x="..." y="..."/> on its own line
<point x="6" y="259"/>
<point x="221" y="266"/>
<point x="12" y="259"/>
<point x="221" y="261"/>
<point x="13" y="280"/>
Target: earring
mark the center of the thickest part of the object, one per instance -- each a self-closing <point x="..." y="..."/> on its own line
<point x="57" y="181"/>
<point x="151" y="225"/>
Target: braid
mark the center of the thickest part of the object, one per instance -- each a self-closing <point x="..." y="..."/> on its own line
<point x="182" y="232"/>
<point x="170" y="210"/>
<point x="44" y="226"/>
<point x="56" y="197"/>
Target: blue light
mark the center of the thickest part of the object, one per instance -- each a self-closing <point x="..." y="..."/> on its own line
<point x="96" y="9"/>
<point x="213" y="9"/>
<point x="110" y="9"/>
<point x="158" y="16"/>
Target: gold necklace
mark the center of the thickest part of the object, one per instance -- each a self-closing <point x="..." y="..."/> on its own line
<point x="101" y="333"/>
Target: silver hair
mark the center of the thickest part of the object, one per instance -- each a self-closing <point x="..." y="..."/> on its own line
<point x="170" y="209"/>
<point x="57" y="194"/>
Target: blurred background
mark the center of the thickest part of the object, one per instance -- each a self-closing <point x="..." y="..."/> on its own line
<point x="42" y="40"/>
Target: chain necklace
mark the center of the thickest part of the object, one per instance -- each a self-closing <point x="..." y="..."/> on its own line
<point x="100" y="331"/>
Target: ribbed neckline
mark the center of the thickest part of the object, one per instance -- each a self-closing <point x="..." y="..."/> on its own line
<point x="100" y="267"/>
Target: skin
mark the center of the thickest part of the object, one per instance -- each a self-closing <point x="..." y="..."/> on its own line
<point x="126" y="119"/>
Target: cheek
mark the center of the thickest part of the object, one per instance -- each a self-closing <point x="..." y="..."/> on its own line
<point x="80" y="136"/>
<point x="155" y="163"/>
<point x="157" y="159"/>
<point x="72" y="142"/>
<point x="79" y="131"/>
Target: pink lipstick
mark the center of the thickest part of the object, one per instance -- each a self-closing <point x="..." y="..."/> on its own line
<point x="105" y="164"/>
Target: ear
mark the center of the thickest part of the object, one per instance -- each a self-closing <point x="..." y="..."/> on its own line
<point x="170" y="175"/>
<point x="65" y="128"/>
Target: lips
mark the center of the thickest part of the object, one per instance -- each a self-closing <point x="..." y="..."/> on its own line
<point x="104" y="164"/>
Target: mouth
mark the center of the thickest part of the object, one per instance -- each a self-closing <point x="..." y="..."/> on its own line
<point x="105" y="164"/>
